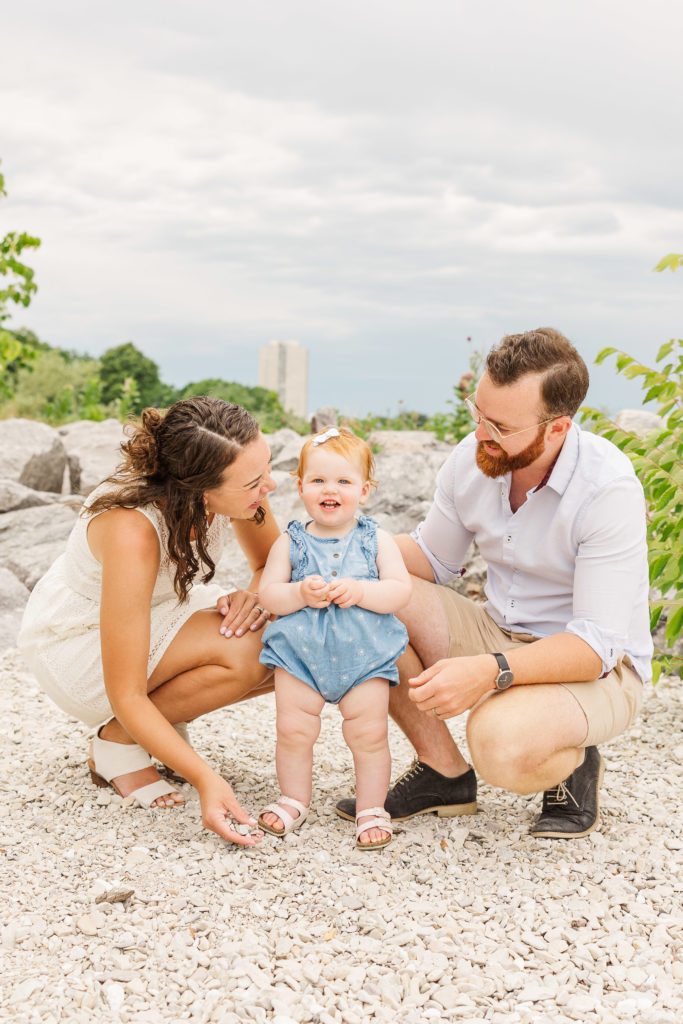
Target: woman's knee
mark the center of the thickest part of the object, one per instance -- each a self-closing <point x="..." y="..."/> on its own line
<point x="241" y="659"/>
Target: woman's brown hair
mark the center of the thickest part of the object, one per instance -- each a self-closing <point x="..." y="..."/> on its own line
<point x="171" y="459"/>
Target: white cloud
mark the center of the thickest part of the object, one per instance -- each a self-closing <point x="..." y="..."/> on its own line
<point x="374" y="178"/>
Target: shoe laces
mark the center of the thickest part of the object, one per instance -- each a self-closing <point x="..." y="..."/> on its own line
<point x="560" y="795"/>
<point x="410" y="772"/>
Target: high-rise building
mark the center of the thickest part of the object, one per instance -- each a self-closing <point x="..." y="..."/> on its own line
<point x="283" y="367"/>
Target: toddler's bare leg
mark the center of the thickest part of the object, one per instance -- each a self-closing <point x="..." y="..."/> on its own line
<point x="365" y="709"/>
<point x="298" y="727"/>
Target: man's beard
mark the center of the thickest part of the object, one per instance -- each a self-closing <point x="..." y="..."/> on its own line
<point x="501" y="463"/>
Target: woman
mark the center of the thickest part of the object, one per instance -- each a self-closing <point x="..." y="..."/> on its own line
<point x="126" y="629"/>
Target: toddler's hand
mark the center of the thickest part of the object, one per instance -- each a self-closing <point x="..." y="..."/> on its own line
<point x="315" y="592"/>
<point x="346" y="592"/>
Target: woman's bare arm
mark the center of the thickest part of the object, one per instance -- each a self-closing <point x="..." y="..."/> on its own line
<point x="127" y="546"/>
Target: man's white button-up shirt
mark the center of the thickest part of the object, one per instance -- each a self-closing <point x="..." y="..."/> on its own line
<point x="571" y="559"/>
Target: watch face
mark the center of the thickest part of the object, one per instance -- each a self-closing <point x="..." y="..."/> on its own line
<point x="504" y="680"/>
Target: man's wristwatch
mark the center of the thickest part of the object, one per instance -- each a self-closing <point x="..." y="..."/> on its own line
<point x="505" y="677"/>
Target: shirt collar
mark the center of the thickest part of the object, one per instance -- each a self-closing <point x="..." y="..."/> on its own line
<point x="561" y="471"/>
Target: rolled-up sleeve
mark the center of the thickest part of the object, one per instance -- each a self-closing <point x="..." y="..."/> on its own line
<point x="441" y="535"/>
<point x="610" y="562"/>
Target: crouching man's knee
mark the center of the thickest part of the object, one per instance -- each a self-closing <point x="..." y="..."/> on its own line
<point x="501" y="753"/>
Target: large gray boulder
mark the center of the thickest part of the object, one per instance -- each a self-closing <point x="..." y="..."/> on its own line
<point x="32" y="454"/>
<point x="407" y="441"/>
<point x="639" y="421"/>
<point x="406" y="482"/>
<point x="31" y="539"/>
<point x="94" y="451"/>
<point x="324" y="417"/>
<point x="285" y="446"/>
<point x="15" y="496"/>
<point x="13" y="597"/>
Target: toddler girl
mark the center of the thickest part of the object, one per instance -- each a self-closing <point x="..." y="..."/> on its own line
<point x="335" y="583"/>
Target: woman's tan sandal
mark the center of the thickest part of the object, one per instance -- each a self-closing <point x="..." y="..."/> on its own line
<point x="285" y="817"/>
<point x="183" y="732"/>
<point x="109" y="760"/>
<point x="380" y="819"/>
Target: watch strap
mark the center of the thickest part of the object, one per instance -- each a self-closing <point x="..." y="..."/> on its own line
<point x="502" y="662"/>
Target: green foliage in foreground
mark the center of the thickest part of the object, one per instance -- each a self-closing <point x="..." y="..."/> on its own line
<point x="17" y="286"/>
<point x="658" y="461"/>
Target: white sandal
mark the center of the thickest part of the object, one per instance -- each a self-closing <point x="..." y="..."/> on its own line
<point x="109" y="760"/>
<point x="381" y="819"/>
<point x="183" y="732"/>
<point x="285" y="817"/>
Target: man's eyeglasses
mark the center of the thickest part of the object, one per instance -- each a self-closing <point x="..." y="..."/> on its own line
<point x="494" y="431"/>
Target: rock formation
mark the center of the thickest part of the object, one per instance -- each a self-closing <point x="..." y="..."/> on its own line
<point x="45" y="473"/>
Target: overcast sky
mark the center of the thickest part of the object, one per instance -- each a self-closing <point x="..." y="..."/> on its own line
<point x="379" y="179"/>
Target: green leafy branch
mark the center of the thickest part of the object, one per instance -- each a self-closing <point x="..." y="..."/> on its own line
<point x="672" y="261"/>
<point x="20" y="288"/>
<point x="657" y="458"/>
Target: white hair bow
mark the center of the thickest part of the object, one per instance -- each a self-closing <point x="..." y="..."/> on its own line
<point x="332" y="432"/>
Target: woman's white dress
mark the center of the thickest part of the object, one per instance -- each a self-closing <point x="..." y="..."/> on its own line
<point x="60" y="632"/>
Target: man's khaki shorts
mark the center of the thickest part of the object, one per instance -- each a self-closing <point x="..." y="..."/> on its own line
<point x="610" y="704"/>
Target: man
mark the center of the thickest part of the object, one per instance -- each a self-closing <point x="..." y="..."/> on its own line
<point x="554" y="663"/>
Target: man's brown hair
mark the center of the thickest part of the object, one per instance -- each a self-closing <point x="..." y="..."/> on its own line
<point x="564" y="380"/>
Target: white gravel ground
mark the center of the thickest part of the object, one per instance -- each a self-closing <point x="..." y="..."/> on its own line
<point x="457" y="920"/>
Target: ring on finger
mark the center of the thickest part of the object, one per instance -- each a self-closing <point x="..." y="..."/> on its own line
<point x="436" y="712"/>
<point x="259" y="609"/>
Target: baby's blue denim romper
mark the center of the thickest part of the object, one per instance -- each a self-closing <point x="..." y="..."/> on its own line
<point x="334" y="649"/>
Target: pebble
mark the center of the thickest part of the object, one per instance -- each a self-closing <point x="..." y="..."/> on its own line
<point x="116" y="913"/>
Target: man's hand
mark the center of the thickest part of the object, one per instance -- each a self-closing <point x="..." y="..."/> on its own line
<point x="315" y="592"/>
<point x="346" y="592"/>
<point x="453" y="685"/>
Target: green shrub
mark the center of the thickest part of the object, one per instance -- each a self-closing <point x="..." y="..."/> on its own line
<point x="658" y="461"/>
<point x="55" y="389"/>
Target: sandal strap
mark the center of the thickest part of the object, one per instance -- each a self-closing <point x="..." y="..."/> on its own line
<point x="301" y="808"/>
<point x="182" y="730"/>
<point x="379" y="812"/>
<point x="381" y="819"/>
<point x="285" y="817"/>
<point x="114" y="759"/>
<point x="146" y="795"/>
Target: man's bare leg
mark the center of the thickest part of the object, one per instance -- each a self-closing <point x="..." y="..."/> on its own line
<point x="431" y="737"/>
<point x="427" y="626"/>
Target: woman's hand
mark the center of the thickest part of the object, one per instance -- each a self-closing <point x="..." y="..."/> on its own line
<point x="222" y="813"/>
<point x="241" y="611"/>
<point x="315" y="592"/>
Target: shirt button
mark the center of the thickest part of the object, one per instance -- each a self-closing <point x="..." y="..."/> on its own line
<point x="336" y="554"/>
<point x="508" y="539"/>
<point x="334" y="572"/>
